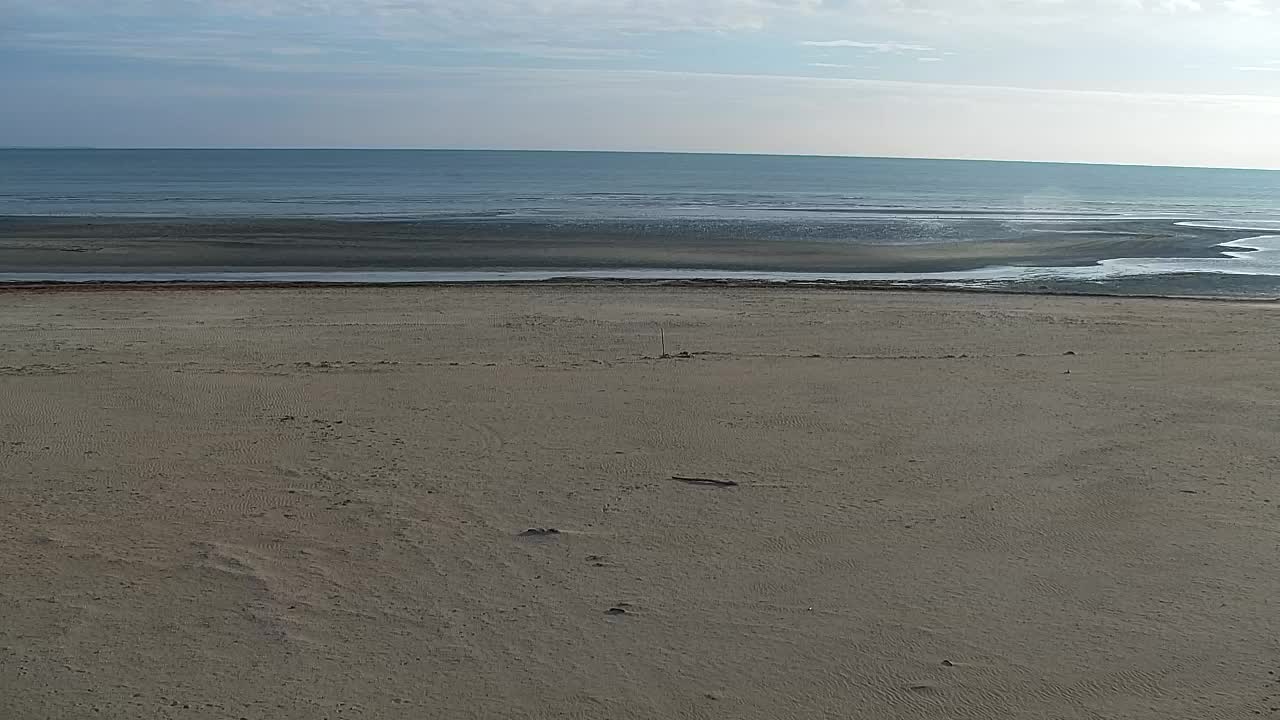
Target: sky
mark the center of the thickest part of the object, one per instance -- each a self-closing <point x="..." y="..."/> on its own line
<point x="1162" y="82"/>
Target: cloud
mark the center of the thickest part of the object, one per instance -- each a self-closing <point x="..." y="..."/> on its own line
<point x="948" y="17"/>
<point x="1269" y="102"/>
<point x="309" y="34"/>
<point x="883" y="47"/>
<point x="565" y="23"/>
<point x="1251" y="8"/>
<point x="560" y="52"/>
<point x="552" y="30"/>
<point x="464" y="17"/>
<point x="471" y="17"/>
<point x="563" y="108"/>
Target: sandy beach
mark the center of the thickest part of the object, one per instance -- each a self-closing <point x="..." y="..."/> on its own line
<point x="316" y="503"/>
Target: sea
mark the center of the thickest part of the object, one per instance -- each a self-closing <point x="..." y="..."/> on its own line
<point x="77" y="215"/>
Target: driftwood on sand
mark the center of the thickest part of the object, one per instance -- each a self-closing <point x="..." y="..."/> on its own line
<point x="704" y="481"/>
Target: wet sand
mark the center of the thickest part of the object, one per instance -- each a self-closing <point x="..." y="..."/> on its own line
<point x="913" y="244"/>
<point x="305" y="503"/>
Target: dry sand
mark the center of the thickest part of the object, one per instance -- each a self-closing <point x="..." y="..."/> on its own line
<point x="309" y="504"/>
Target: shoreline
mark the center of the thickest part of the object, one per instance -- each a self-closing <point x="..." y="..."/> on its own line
<point x="145" y="286"/>
<point x="1166" y="257"/>
<point x="899" y="246"/>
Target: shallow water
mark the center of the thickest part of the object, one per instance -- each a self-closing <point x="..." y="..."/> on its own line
<point x="413" y="216"/>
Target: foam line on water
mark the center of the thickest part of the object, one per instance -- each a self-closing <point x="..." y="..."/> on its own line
<point x="1265" y="226"/>
<point x="434" y="276"/>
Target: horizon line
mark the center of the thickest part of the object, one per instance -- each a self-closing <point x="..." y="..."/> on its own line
<point x="250" y="148"/>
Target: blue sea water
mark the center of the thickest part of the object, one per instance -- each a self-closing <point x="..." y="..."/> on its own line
<point x="682" y="197"/>
<point x="571" y="185"/>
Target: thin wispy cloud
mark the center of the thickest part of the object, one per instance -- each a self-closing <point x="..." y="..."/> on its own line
<point x="883" y="47"/>
<point x="558" y="52"/>
<point x="564" y="22"/>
